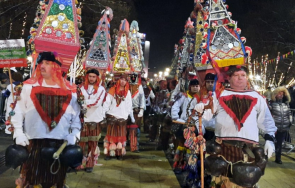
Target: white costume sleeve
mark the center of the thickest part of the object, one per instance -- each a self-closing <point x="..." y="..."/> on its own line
<point x="107" y="103"/>
<point x="152" y="95"/>
<point x="142" y="97"/>
<point x="265" y="120"/>
<point x="129" y="103"/>
<point x="176" y="107"/>
<point x="20" y="109"/>
<point x="76" y="123"/>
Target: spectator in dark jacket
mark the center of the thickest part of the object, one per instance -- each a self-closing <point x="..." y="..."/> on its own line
<point x="282" y="116"/>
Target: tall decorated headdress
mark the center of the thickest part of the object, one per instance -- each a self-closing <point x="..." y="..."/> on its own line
<point x="122" y="58"/>
<point x="98" y="55"/>
<point x="58" y="31"/>
<point x="137" y="59"/>
<point x="218" y="39"/>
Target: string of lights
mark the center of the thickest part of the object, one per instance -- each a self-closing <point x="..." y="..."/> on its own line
<point x="24" y="24"/>
<point x="10" y="29"/>
<point x="6" y="10"/>
<point x="16" y="16"/>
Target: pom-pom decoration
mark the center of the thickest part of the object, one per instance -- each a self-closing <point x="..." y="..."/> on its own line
<point x="248" y="50"/>
<point x="204" y="59"/>
<point x="239" y="31"/>
<point x="243" y="39"/>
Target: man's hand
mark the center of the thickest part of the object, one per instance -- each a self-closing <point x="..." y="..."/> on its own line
<point x="140" y="114"/>
<point x="200" y="107"/>
<point x="132" y="119"/>
<point x="180" y="120"/>
<point x="269" y="148"/>
<point x="72" y="137"/>
<point x="22" y="140"/>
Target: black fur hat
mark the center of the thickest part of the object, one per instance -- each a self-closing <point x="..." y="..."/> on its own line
<point x="94" y="71"/>
<point x="210" y="76"/>
<point x="194" y="82"/>
<point x="49" y="56"/>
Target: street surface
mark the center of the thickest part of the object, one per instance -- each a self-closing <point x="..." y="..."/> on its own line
<point x="147" y="169"/>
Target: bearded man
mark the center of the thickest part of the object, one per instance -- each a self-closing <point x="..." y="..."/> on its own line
<point x="94" y="95"/>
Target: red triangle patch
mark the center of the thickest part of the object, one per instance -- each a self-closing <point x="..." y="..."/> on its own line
<point x="238" y="107"/>
<point x="50" y="103"/>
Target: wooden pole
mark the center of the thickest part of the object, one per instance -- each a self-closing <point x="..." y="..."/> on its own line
<point x="10" y="80"/>
<point x="201" y="150"/>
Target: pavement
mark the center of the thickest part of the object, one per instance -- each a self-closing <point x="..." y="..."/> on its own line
<point x="147" y="169"/>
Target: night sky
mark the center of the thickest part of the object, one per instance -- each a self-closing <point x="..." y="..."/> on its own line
<point x="163" y="21"/>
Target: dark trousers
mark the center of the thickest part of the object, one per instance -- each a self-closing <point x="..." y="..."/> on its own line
<point x="280" y="137"/>
<point x="147" y="119"/>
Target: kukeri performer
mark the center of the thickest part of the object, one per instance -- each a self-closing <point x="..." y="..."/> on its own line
<point x="207" y="118"/>
<point x="46" y="114"/>
<point x="160" y="109"/>
<point x="241" y="112"/>
<point x="119" y="106"/>
<point x="149" y="96"/>
<point x="138" y="106"/>
<point x="94" y="95"/>
<point x="185" y="103"/>
<point x="166" y="138"/>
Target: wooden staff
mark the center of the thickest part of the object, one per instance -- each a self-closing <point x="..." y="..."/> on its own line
<point x="10" y="80"/>
<point x="209" y="106"/>
<point x="200" y="137"/>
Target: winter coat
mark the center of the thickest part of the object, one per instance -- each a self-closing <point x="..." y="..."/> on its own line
<point x="280" y="110"/>
<point x="282" y="115"/>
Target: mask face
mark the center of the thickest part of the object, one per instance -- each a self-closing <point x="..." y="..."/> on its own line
<point x="133" y="78"/>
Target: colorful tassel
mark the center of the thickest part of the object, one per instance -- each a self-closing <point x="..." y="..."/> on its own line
<point x="119" y="145"/>
<point x="97" y="151"/>
<point x="123" y="151"/>
<point x="7" y="122"/>
<point x="105" y="151"/>
<point x="113" y="146"/>
<point x="106" y="144"/>
<point x="175" y="164"/>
